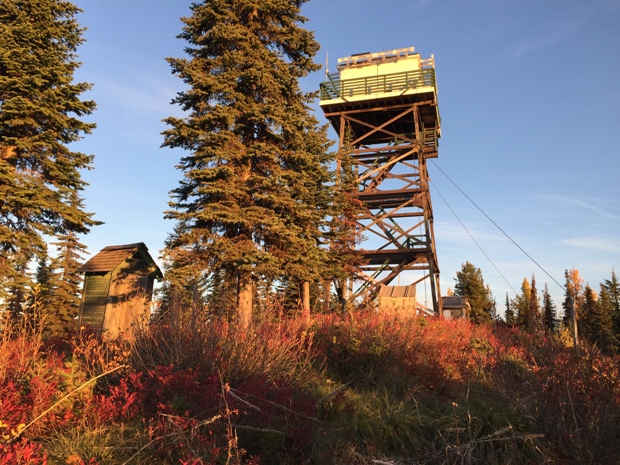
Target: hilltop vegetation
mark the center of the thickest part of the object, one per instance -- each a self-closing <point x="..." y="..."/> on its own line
<point x="261" y="221"/>
<point x="193" y="391"/>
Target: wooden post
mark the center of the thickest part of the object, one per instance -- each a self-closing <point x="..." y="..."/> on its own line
<point x="573" y="322"/>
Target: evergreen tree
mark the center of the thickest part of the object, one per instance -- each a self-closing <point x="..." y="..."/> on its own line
<point x="221" y="297"/>
<point x="586" y="314"/>
<point x="15" y="292"/>
<point x="511" y="318"/>
<point x="40" y="108"/>
<point x="549" y="312"/>
<point x="574" y="289"/>
<point x="534" y="312"/>
<point x="573" y="301"/>
<point x="290" y="295"/>
<point x="613" y="289"/>
<point x="41" y="292"/>
<point x="344" y="232"/>
<point x="602" y="323"/>
<point x="469" y="283"/>
<point x="253" y="199"/>
<point x="522" y="305"/>
<point x="64" y="307"/>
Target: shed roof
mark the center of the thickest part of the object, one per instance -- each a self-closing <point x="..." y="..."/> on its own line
<point x="455" y="301"/>
<point x="112" y="256"/>
<point x="397" y="291"/>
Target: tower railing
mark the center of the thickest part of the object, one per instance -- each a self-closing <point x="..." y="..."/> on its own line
<point x="386" y="83"/>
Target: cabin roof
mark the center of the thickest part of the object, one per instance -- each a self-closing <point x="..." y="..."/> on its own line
<point x="112" y="256"/>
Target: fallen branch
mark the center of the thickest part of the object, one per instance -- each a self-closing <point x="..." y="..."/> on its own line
<point x="21" y="431"/>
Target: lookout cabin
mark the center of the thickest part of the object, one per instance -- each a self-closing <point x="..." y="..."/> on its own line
<point x="377" y="88"/>
<point x="118" y="287"/>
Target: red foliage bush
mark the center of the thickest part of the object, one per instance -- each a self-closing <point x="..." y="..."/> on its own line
<point x="22" y="452"/>
<point x="25" y="394"/>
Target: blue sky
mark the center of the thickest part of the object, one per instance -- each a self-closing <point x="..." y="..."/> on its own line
<point x="530" y="107"/>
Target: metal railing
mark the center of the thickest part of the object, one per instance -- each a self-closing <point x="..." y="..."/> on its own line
<point x="386" y="83"/>
<point x="430" y="139"/>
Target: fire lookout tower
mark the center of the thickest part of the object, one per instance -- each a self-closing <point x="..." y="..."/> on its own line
<point x="383" y="106"/>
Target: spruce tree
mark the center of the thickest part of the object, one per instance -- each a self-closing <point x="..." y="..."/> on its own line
<point x="602" y="323"/>
<point x="470" y="283"/>
<point x="253" y="198"/>
<point x="66" y="295"/>
<point x="534" y="313"/>
<point x="344" y="232"/>
<point x="221" y="297"/>
<point x="40" y="110"/>
<point x="549" y="312"/>
<point x="613" y="289"/>
<point x="511" y="318"/>
<point x="41" y="293"/>
<point x="586" y="314"/>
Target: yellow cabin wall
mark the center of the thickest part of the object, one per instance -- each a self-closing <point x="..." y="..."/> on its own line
<point x="402" y="65"/>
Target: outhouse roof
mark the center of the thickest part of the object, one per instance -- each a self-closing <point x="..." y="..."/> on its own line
<point x="112" y="256"/>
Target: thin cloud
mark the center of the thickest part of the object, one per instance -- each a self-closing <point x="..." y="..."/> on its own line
<point x="552" y="34"/>
<point x="143" y="95"/>
<point x="592" y="205"/>
<point x="563" y="27"/>
<point x="453" y="232"/>
<point x="594" y="243"/>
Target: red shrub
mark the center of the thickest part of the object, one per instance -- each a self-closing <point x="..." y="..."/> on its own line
<point x="22" y="452"/>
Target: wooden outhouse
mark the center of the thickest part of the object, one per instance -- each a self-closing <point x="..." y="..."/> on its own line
<point x="118" y="287"/>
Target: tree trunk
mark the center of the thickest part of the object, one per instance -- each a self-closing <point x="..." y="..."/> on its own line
<point x="327" y="295"/>
<point x="305" y="303"/>
<point x="244" y="300"/>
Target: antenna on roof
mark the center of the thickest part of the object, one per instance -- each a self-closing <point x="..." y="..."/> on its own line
<point x="326" y="66"/>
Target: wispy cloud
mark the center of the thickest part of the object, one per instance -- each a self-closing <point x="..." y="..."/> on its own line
<point x="594" y="243"/>
<point x="566" y="22"/>
<point x="555" y="31"/>
<point x="454" y="232"/>
<point x="596" y="206"/>
<point x="143" y="94"/>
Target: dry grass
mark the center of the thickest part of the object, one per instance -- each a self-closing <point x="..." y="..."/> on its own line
<point x="282" y="351"/>
<point x="21" y="344"/>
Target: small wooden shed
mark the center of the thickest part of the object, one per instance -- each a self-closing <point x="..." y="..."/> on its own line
<point x="456" y="306"/>
<point x="118" y="287"/>
<point x="398" y="299"/>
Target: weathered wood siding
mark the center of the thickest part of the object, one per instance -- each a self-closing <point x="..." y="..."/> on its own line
<point x="399" y="300"/>
<point x="96" y="289"/>
<point x="128" y="302"/>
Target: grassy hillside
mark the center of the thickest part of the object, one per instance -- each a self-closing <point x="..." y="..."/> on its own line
<point x="373" y="389"/>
